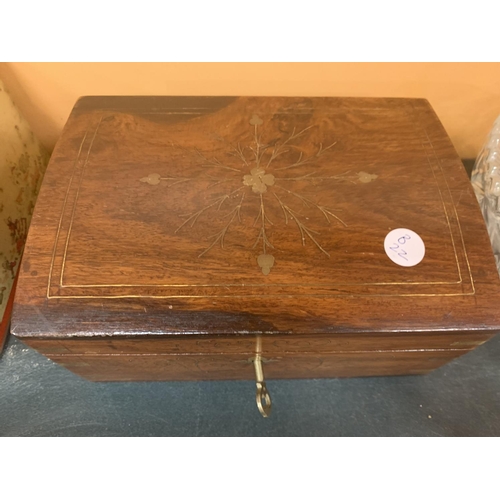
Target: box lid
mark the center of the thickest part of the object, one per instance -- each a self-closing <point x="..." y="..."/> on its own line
<point x="168" y="215"/>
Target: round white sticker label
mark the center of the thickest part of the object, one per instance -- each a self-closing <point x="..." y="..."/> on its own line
<point x="404" y="247"/>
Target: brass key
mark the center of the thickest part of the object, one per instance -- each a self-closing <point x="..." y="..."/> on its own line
<point x="262" y="396"/>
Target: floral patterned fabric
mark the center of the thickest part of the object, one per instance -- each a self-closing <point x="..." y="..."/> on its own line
<point x="22" y="164"/>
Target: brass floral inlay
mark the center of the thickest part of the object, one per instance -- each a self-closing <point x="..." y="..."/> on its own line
<point x="265" y="186"/>
<point x="266" y="262"/>
<point x="366" y="178"/>
<point x="259" y="180"/>
<point x="152" y="179"/>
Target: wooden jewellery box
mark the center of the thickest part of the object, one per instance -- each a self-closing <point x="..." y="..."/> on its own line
<point x="191" y="238"/>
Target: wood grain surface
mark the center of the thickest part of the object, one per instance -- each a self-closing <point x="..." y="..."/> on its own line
<point x="169" y="225"/>
<point x="232" y="367"/>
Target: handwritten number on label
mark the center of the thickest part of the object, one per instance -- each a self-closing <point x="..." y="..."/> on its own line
<point x="395" y="248"/>
<point x="404" y="247"/>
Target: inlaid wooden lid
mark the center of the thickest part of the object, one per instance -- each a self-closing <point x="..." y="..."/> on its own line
<point x="252" y="214"/>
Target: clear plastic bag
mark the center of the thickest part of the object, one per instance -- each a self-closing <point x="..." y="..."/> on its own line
<point x="486" y="182"/>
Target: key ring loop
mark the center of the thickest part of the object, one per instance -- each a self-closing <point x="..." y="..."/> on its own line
<point x="263" y="399"/>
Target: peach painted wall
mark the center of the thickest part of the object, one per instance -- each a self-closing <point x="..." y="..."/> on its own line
<point x="466" y="96"/>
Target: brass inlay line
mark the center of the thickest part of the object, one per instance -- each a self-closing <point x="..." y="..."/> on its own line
<point x="457" y="218"/>
<point x="176" y="113"/>
<point x="76" y="201"/>
<point x="99" y="297"/>
<point x="62" y="214"/>
<point x="440" y="193"/>
<point x="61" y="285"/>
<point x="180" y="111"/>
<point x="418" y="134"/>
<point x="437" y="159"/>
<point x="272" y="285"/>
<point x="224" y="353"/>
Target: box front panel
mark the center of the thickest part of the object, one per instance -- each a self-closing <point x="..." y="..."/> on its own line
<point x="110" y="368"/>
